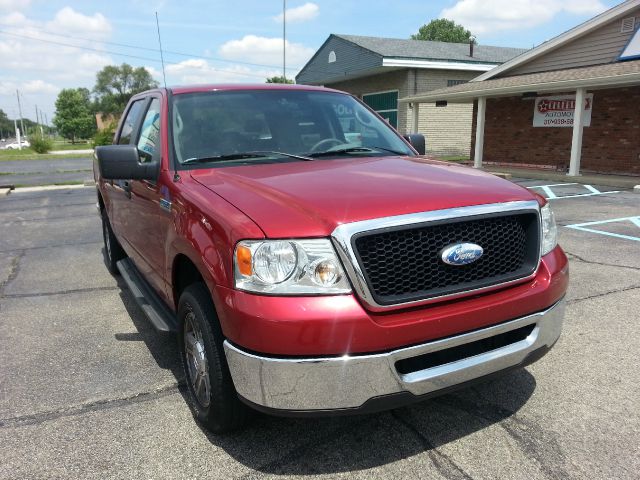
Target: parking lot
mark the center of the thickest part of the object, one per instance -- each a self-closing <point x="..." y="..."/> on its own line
<point x="89" y="390"/>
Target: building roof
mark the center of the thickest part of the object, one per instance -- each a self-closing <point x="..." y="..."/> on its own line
<point x="598" y="76"/>
<point x="424" y="49"/>
<point x="612" y="14"/>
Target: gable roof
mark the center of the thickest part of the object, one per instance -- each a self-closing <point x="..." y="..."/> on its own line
<point x="426" y="49"/>
<point x="612" y="14"/>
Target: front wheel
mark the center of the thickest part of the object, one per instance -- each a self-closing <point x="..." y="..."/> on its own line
<point x="212" y="396"/>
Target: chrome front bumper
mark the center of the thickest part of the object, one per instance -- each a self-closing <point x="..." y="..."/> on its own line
<point x="347" y="382"/>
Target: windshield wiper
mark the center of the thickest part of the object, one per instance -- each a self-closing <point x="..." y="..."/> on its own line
<point x="243" y="156"/>
<point x="338" y="151"/>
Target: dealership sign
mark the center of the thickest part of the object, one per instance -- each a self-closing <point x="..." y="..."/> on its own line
<point x="558" y="110"/>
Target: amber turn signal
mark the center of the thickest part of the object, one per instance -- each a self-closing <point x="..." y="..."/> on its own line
<point x="243" y="260"/>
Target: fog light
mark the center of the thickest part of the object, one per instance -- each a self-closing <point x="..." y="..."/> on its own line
<point x="325" y="273"/>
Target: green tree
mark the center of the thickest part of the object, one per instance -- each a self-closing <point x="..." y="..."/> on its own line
<point x="7" y="129"/>
<point x="443" y="30"/>
<point x="115" y="85"/>
<point x="6" y="125"/>
<point x="74" y="117"/>
<point x="279" y="79"/>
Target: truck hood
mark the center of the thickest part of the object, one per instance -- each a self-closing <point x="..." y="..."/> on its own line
<point x="310" y="199"/>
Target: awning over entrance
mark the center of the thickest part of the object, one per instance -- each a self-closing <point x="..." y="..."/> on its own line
<point x="599" y="76"/>
<point x="610" y="75"/>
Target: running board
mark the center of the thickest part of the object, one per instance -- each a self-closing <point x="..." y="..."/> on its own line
<point x="163" y="319"/>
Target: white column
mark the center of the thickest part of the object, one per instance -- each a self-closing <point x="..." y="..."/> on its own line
<point x="576" y="139"/>
<point x="415" y="117"/>
<point x="477" y="157"/>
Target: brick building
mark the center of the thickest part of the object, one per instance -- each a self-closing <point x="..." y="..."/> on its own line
<point x="524" y="110"/>
<point x="381" y="70"/>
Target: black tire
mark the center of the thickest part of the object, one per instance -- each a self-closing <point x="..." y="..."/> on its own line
<point x="113" y="251"/>
<point x="217" y="407"/>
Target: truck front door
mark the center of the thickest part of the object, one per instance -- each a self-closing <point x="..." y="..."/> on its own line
<point x="149" y="213"/>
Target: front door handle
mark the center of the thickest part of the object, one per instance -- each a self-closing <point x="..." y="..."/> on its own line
<point x="126" y="187"/>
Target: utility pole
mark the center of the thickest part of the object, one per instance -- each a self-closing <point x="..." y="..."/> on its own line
<point x="284" y="40"/>
<point x="20" y="111"/>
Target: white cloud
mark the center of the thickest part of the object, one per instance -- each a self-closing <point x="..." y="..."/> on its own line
<point x="34" y="62"/>
<point x="266" y="51"/>
<point x="14" y="19"/>
<point x="483" y="16"/>
<point x="38" y="87"/>
<point x="13" y="5"/>
<point x="303" y="13"/>
<point x="69" y="21"/>
<point x="197" y="70"/>
<point x="93" y="61"/>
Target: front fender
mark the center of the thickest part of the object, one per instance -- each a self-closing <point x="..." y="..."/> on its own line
<point x="205" y="229"/>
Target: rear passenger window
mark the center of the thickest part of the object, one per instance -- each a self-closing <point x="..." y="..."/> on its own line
<point x="149" y="141"/>
<point x="130" y="122"/>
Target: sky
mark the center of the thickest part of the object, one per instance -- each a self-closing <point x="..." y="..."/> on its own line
<point x="47" y="45"/>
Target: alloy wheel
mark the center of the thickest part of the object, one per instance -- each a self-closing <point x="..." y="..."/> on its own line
<point x="196" y="360"/>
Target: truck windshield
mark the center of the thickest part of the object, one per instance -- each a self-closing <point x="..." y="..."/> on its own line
<point x="220" y="125"/>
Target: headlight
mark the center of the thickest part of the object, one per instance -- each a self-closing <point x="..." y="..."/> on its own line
<point x="549" y="229"/>
<point x="289" y="267"/>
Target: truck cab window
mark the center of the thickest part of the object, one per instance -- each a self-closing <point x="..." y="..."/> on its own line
<point x="130" y="122"/>
<point x="148" y="142"/>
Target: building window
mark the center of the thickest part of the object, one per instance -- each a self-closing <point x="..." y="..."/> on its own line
<point x="451" y="83"/>
<point x="332" y="56"/>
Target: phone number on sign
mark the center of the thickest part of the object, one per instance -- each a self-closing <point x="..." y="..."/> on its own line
<point x="558" y="121"/>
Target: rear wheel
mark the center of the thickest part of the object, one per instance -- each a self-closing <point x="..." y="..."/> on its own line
<point x="212" y="396"/>
<point x="113" y="252"/>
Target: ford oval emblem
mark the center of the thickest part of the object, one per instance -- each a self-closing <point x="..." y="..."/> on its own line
<point x="461" y="253"/>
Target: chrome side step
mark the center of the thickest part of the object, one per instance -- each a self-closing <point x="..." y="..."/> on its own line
<point x="163" y="319"/>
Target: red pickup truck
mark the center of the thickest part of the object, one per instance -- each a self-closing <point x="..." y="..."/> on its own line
<point x="313" y="261"/>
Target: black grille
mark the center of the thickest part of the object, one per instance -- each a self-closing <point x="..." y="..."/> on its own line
<point x="404" y="264"/>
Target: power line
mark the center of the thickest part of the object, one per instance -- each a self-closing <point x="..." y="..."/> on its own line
<point x="110" y="52"/>
<point x="155" y="50"/>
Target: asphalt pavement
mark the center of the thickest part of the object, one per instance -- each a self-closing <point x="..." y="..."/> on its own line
<point x="89" y="390"/>
<point x="46" y="172"/>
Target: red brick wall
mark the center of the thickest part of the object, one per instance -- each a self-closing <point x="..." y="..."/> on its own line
<point x="610" y="145"/>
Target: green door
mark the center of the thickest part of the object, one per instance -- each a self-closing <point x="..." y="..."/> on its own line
<point x="385" y="104"/>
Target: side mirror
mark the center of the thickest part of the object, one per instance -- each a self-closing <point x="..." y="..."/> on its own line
<point x="122" y="162"/>
<point x="417" y="141"/>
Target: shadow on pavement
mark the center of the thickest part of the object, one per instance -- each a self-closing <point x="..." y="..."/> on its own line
<point x="288" y="446"/>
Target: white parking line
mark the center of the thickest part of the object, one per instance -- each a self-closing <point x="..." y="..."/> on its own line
<point x="551" y="195"/>
<point x="548" y="192"/>
<point x="46" y="188"/>
<point x="583" y="227"/>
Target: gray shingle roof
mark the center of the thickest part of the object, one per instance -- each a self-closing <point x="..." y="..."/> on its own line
<point x="610" y="74"/>
<point x="424" y="49"/>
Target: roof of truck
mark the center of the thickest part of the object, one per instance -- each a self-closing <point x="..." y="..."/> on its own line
<point x="243" y="86"/>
